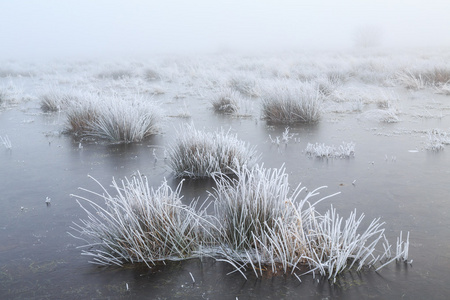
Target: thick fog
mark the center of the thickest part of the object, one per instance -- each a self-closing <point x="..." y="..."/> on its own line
<point x="56" y="28"/>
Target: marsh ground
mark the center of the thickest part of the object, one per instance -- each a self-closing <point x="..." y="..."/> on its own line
<point x="397" y="177"/>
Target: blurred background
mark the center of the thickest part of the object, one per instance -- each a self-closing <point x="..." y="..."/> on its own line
<point x="59" y="29"/>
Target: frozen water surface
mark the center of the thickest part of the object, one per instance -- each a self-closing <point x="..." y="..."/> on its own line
<point x="392" y="176"/>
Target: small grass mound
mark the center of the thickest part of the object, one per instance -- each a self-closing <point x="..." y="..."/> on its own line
<point x="200" y="154"/>
<point x="437" y="139"/>
<point x="226" y="102"/>
<point x="54" y="100"/>
<point x="419" y="79"/>
<point x="114" y="119"/>
<point x="115" y="74"/>
<point x="244" y="85"/>
<point x="345" y="150"/>
<point x="292" y="104"/>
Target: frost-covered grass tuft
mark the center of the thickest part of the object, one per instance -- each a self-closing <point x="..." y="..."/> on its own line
<point x="80" y="116"/>
<point x="345" y="150"/>
<point x="419" y="79"/>
<point x="114" y="119"/>
<point x="411" y="80"/>
<point x="444" y="89"/>
<point x="12" y="94"/>
<point x="115" y="74"/>
<point x="436" y="76"/>
<point x="244" y="85"/>
<point x="290" y="104"/>
<point x="266" y="226"/>
<point x="198" y="153"/>
<point x="151" y="74"/>
<point x="285" y="137"/>
<point x="126" y="122"/>
<point x="437" y="139"/>
<point x="260" y="224"/>
<point x="250" y="204"/>
<point x="54" y="100"/>
<point x="138" y="224"/>
<point x="227" y="101"/>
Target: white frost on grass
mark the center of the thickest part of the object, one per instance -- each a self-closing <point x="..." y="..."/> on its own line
<point x="410" y="80"/>
<point x="289" y="103"/>
<point x="245" y="83"/>
<point x="264" y="225"/>
<point x="285" y="137"/>
<point x="259" y="223"/>
<point x="6" y="142"/>
<point x="229" y="101"/>
<point x="437" y="139"/>
<point x="138" y="224"/>
<point x="12" y="94"/>
<point x="444" y="89"/>
<point x="198" y="153"/>
<point x="54" y="100"/>
<point x="425" y="76"/>
<point x="114" y="119"/>
<point x="345" y="150"/>
<point x="184" y="112"/>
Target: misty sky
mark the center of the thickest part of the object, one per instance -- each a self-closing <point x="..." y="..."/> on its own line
<point x="54" y="28"/>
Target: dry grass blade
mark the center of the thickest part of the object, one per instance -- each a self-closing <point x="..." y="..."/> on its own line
<point x="6" y="142"/>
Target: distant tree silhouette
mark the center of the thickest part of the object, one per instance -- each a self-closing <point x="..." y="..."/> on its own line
<point x="368" y="36"/>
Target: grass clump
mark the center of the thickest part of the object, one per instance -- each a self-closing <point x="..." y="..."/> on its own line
<point x="259" y="223"/>
<point x="81" y="115"/>
<point x="226" y="102"/>
<point x="126" y="122"/>
<point x="411" y="80"/>
<point x="292" y="104"/>
<point x="437" y="139"/>
<point x="419" y="79"/>
<point x="437" y="76"/>
<point x="444" y="89"/>
<point x="11" y="95"/>
<point x="231" y="102"/>
<point x="151" y="74"/>
<point x="345" y="150"/>
<point x="138" y="224"/>
<point x="250" y="204"/>
<point x="245" y="85"/>
<point x="115" y="74"/>
<point x="200" y="154"/>
<point x="114" y="119"/>
<point x="54" y="101"/>
<point x="264" y="225"/>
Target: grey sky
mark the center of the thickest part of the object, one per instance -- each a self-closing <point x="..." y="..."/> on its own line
<point x="54" y="28"/>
